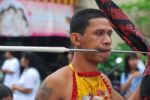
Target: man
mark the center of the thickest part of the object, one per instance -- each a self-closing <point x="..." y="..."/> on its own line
<point x="11" y="69"/>
<point x="81" y="80"/>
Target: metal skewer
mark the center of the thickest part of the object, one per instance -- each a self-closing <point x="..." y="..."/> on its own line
<point x="124" y="51"/>
<point x="57" y="49"/>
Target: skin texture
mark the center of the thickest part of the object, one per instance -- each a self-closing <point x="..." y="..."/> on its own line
<point x="58" y="86"/>
<point x="44" y="89"/>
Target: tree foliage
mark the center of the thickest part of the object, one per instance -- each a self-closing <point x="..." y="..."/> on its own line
<point x="139" y="10"/>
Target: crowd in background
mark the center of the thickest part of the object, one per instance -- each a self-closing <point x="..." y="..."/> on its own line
<point x="23" y="85"/>
<point x="132" y="75"/>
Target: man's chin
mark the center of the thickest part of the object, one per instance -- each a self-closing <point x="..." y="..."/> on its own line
<point x="103" y="60"/>
<point x="104" y="57"/>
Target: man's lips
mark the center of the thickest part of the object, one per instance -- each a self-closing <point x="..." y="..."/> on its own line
<point x="104" y="50"/>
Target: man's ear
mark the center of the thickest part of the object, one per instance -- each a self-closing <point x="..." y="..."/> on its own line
<point x="76" y="39"/>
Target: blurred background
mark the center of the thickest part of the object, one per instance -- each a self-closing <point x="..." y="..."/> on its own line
<point x="46" y="23"/>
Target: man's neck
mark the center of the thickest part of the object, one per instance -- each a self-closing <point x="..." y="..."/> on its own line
<point x="82" y="65"/>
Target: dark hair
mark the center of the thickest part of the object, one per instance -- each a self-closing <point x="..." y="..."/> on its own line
<point x="5" y="91"/>
<point x="127" y="66"/>
<point x="36" y="62"/>
<point x="32" y="58"/>
<point x="81" y="19"/>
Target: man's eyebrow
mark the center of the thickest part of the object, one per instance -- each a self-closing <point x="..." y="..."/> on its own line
<point x="99" y="30"/>
<point x="103" y="30"/>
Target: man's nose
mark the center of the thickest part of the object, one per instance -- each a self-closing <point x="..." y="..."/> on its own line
<point x="107" y="40"/>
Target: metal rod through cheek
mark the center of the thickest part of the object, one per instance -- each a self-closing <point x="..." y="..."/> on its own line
<point x="58" y="49"/>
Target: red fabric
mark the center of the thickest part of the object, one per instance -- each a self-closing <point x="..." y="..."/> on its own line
<point x="89" y="74"/>
<point x="74" y="88"/>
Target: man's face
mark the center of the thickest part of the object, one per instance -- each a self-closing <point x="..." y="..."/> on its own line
<point x="97" y="36"/>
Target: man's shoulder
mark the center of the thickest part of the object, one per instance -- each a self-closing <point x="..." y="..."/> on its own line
<point x="60" y="76"/>
<point x="62" y="72"/>
<point x="55" y="85"/>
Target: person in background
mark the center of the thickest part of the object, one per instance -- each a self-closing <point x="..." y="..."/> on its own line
<point x="140" y="63"/>
<point x="132" y="77"/>
<point x="29" y="82"/>
<point x="11" y="69"/>
<point x="5" y="93"/>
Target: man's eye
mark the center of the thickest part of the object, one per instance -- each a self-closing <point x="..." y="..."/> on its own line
<point x="109" y="33"/>
<point x="98" y="33"/>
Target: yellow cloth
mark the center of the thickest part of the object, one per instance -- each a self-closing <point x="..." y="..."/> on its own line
<point x="90" y="88"/>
